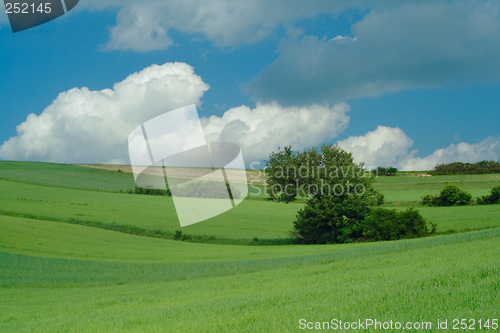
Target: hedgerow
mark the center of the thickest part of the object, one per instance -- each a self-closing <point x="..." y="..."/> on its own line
<point x="459" y="168"/>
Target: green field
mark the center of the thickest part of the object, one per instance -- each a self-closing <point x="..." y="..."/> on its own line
<point x="408" y="187"/>
<point x="61" y="277"/>
<point x="52" y="191"/>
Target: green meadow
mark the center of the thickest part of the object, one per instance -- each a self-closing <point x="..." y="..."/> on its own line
<point x="58" y="276"/>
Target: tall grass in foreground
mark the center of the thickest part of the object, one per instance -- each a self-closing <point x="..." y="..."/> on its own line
<point x="446" y="281"/>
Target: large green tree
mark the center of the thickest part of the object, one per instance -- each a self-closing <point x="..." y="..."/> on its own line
<point x="338" y="191"/>
<point x="316" y="172"/>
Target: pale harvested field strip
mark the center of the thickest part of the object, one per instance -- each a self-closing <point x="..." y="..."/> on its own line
<point x="238" y="176"/>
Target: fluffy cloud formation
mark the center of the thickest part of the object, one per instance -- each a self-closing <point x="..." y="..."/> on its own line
<point x="261" y="130"/>
<point x="140" y="29"/>
<point x="84" y="126"/>
<point x="398" y="45"/>
<point x="388" y="146"/>
<point x="144" y="26"/>
<point x="92" y="126"/>
<point x="488" y="149"/>
<point x="381" y="147"/>
<point x="416" y="45"/>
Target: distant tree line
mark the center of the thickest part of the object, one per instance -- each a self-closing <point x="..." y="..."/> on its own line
<point x="148" y="191"/>
<point x="381" y="171"/>
<point x="459" y="168"/>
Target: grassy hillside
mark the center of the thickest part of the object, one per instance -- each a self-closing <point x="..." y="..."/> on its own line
<point x="63" y="240"/>
<point x="409" y="188"/>
<point x="252" y="218"/>
<point x="404" y="187"/>
<point x="66" y="176"/>
<point x="442" y="277"/>
<point x="61" y="277"/>
<point x="412" y="182"/>
<point x="249" y="219"/>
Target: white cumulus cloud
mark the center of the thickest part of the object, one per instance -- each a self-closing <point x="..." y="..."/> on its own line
<point x="84" y="126"/>
<point x="388" y="146"/>
<point x="488" y="149"/>
<point x="92" y="126"/>
<point x="261" y="130"/>
<point x="381" y="147"/>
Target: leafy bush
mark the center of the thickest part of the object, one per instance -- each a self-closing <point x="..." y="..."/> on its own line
<point x="206" y="189"/>
<point x="450" y="195"/>
<point x="148" y="191"/>
<point x="381" y="171"/>
<point x="385" y="224"/>
<point x="459" y="168"/>
<point x="492" y="198"/>
<point x="330" y="219"/>
<point x="430" y="200"/>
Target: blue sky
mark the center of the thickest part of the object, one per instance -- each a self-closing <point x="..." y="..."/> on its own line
<point x="403" y="83"/>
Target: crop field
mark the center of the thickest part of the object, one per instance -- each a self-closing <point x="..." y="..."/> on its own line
<point x="62" y="271"/>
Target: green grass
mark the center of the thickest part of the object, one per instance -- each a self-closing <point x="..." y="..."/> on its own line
<point x="463" y="217"/>
<point x="460" y="218"/>
<point x="392" y="196"/>
<point x="63" y="277"/>
<point x="67" y="176"/>
<point x="404" y="188"/>
<point x="252" y="218"/>
<point x="443" y="280"/>
<point x="402" y="182"/>
<point x="63" y="240"/>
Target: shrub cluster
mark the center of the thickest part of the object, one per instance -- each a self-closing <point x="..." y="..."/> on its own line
<point x="459" y="168"/>
<point x="148" y="191"/>
<point x="492" y="198"/>
<point x="381" y="171"/>
<point x="450" y="195"/>
<point x="332" y="219"/>
<point x="386" y="224"/>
